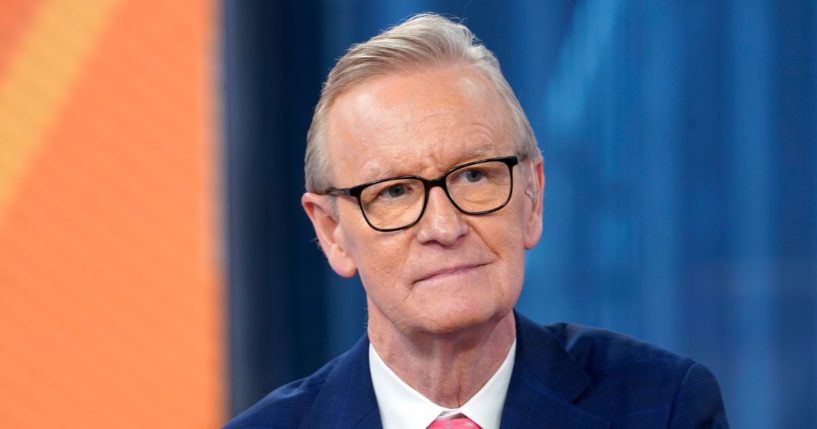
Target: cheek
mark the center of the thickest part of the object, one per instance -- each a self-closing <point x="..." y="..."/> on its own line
<point x="380" y="262"/>
<point x="507" y="241"/>
<point x="507" y="234"/>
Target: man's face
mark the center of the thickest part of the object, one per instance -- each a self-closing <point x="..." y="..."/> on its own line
<point x="450" y="271"/>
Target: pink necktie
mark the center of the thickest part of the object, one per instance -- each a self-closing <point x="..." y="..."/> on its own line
<point x="453" y="423"/>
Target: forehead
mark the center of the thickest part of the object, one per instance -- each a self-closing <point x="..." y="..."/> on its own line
<point x="423" y="120"/>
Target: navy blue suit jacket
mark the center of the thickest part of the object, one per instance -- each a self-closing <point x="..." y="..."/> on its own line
<point x="564" y="376"/>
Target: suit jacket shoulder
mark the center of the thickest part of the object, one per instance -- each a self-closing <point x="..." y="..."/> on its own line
<point x="629" y="383"/>
<point x="286" y="406"/>
<point x="340" y="394"/>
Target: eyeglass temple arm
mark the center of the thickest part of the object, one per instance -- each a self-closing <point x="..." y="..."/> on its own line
<point x="336" y="191"/>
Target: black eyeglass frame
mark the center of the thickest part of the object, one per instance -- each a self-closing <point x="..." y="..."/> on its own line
<point x="428" y="184"/>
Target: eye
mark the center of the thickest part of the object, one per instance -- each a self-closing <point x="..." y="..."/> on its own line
<point x="473" y="175"/>
<point x="394" y="191"/>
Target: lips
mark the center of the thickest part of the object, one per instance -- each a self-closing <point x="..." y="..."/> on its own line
<point x="447" y="271"/>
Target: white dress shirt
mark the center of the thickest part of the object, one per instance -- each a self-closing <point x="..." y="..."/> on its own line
<point x="402" y="407"/>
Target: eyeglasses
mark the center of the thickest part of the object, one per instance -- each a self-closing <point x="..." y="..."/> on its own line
<point x="475" y="188"/>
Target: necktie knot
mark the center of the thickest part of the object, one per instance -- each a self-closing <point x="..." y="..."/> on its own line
<point x="454" y="423"/>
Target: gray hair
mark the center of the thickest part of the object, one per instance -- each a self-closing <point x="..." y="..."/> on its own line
<point x="424" y="40"/>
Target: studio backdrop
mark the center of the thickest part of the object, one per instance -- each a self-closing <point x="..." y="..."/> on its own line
<point x="681" y="167"/>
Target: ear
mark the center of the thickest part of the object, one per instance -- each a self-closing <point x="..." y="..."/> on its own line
<point x="534" y="190"/>
<point x="329" y="232"/>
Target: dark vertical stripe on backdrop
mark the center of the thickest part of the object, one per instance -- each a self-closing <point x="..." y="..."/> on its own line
<point x="271" y="80"/>
<point x="795" y="205"/>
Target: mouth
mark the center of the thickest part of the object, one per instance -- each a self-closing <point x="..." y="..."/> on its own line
<point x="449" y="272"/>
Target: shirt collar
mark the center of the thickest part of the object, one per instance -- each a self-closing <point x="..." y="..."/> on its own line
<point x="402" y="407"/>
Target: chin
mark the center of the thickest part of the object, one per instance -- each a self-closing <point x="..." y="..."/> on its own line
<point x="460" y="320"/>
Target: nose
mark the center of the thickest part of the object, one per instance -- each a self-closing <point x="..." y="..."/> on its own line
<point x="441" y="222"/>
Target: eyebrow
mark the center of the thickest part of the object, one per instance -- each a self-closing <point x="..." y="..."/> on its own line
<point x="483" y="150"/>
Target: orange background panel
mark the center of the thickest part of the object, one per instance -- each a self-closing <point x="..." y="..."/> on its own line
<point x="14" y="19"/>
<point x="110" y="293"/>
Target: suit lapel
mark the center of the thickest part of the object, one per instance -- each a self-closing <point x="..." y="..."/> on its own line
<point x="544" y="384"/>
<point x="346" y="399"/>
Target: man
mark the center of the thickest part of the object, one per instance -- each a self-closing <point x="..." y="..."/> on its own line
<point x="424" y="177"/>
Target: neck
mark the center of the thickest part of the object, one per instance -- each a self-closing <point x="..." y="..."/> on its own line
<point x="447" y="368"/>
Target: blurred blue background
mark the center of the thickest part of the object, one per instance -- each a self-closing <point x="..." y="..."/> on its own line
<point x="679" y="140"/>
